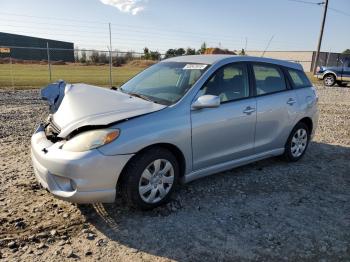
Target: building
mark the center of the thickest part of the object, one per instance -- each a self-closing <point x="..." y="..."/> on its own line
<point x="34" y="48"/>
<point x="305" y="58"/>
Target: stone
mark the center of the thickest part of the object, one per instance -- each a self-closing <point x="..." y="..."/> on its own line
<point x="12" y="245"/>
<point x="91" y="236"/>
<point x="88" y="253"/>
<point x="71" y="254"/>
<point x="53" y="232"/>
<point x="42" y="245"/>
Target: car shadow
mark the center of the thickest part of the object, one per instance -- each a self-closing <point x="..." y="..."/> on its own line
<point x="267" y="210"/>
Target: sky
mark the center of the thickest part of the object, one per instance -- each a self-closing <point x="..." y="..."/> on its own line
<point x="164" y="24"/>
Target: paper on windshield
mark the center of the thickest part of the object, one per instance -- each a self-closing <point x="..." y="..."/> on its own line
<point x="194" y="66"/>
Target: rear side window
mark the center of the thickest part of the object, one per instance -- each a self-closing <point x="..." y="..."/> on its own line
<point x="299" y="79"/>
<point x="268" y="79"/>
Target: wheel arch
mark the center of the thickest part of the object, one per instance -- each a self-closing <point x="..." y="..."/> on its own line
<point x="308" y="122"/>
<point x="329" y="73"/>
<point x="171" y="147"/>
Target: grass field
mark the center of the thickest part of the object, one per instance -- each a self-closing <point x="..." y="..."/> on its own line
<point x="26" y="76"/>
<point x="32" y="75"/>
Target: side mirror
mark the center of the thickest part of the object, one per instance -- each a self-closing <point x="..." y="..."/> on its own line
<point x="206" y="101"/>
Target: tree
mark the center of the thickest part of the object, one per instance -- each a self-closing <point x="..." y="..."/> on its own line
<point x="203" y="48"/>
<point x="103" y="58"/>
<point x="154" y="55"/>
<point x="146" y="54"/>
<point x="242" y="52"/>
<point x="190" y="51"/>
<point x="170" y="53"/>
<point x="180" y="51"/>
<point x="346" y="52"/>
<point x="94" y="57"/>
<point x="76" y="54"/>
<point x="83" y="56"/>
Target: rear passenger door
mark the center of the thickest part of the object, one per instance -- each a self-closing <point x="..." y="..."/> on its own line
<point x="276" y="107"/>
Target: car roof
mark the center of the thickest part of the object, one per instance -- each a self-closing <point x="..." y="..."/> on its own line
<point x="213" y="59"/>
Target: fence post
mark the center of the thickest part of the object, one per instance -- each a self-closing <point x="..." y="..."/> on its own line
<point x="48" y="59"/>
<point x="110" y="55"/>
<point x="11" y="68"/>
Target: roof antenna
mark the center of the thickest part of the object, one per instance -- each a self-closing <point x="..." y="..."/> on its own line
<point x="268" y="44"/>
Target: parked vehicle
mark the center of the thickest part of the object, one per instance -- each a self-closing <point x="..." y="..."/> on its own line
<point x="335" y="74"/>
<point x="181" y="119"/>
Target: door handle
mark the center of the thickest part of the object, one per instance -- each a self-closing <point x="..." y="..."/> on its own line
<point x="249" y="110"/>
<point x="291" y="101"/>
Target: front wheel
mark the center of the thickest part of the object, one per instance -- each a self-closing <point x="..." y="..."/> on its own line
<point x="150" y="178"/>
<point x="329" y="80"/>
<point x="297" y="143"/>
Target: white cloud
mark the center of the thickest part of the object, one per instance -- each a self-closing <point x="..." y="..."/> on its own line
<point x="127" y="6"/>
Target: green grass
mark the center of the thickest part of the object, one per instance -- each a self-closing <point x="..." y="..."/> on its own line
<point x="33" y="76"/>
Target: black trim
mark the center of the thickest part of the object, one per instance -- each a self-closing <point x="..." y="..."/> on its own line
<point x="252" y="82"/>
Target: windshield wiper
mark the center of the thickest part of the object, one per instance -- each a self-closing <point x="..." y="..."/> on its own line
<point x="141" y="96"/>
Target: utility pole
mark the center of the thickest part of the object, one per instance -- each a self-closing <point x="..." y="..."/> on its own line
<point x="110" y="56"/>
<point x="321" y="35"/>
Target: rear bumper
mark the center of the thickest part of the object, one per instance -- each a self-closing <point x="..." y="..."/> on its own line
<point x="80" y="177"/>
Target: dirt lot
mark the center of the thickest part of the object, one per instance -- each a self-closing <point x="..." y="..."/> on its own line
<point x="270" y="210"/>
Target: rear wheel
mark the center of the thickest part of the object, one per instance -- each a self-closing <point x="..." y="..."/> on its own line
<point x="329" y="80"/>
<point x="150" y="178"/>
<point x="297" y="143"/>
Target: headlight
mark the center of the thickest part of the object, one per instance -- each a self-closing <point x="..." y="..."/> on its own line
<point x="91" y="139"/>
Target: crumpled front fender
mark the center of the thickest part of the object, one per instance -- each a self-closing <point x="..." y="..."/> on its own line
<point x="54" y="94"/>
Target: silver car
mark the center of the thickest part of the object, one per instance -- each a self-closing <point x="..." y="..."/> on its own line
<point x="181" y="119"/>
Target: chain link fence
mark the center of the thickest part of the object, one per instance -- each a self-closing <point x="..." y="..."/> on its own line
<point x="28" y="67"/>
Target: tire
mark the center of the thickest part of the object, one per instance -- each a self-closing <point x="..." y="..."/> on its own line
<point x="141" y="175"/>
<point x="295" y="148"/>
<point x="341" y="84"/>
<point x="329" y="80"/>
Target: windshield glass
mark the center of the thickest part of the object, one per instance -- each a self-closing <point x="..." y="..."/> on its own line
<point x="164" y="82"/>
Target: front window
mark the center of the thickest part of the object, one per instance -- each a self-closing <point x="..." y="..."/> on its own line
<point x="164" y="82"/>
<point x="229" y="83"/>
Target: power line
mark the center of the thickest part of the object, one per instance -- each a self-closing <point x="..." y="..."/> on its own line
<point x="339" y="11"/>
<point x="307" y="2"/>
<point x="321" y="3"/>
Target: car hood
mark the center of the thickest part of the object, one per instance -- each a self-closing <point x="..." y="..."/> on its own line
<point x="87" y="105"/>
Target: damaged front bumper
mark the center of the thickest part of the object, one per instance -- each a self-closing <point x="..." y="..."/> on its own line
<point x="80" y="177"/>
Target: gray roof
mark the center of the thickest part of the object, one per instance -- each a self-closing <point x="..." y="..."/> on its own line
<point x="212" y="59"/>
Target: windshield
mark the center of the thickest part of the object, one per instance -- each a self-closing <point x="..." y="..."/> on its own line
<point x="165" y="82"/>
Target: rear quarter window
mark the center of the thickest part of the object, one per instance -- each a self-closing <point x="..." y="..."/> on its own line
<point x="299" y="79"/>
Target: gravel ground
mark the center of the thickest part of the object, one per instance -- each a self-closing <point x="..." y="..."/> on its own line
<point x="269" y="210"/>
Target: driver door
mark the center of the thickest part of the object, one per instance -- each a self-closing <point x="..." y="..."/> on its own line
<point x="227" y="132"/>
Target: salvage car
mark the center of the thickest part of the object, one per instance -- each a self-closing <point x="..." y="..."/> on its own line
<point x="335" y="74"/>
<point x="181" y="119"/>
